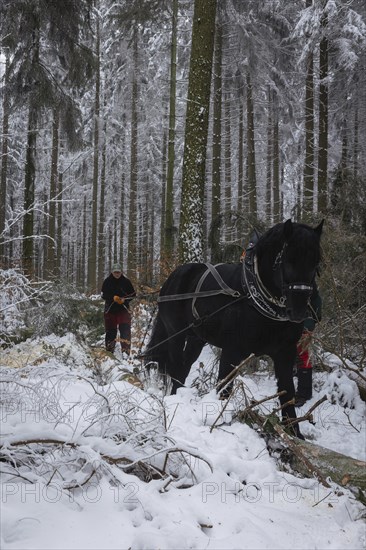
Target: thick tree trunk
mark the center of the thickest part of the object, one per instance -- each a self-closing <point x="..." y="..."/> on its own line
<point x="194" y="159"/>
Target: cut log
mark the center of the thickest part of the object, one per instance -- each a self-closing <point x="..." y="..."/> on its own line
<point x="341" y="469"/>
<point x="305" y="458"/>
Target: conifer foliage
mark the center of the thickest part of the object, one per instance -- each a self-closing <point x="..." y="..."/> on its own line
<point x="134" y="131"/>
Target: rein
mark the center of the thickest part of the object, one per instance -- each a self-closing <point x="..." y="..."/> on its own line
<point x="194" y="323"/>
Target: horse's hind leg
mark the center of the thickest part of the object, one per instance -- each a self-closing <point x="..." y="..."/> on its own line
<point x="183" y="351"/>
<point x="175" y="363"/>
<point x="192" y="349"/>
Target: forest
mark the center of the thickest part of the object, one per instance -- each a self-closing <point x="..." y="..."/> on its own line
<point x="155" y="132"/>
<point x="151" y="133"/>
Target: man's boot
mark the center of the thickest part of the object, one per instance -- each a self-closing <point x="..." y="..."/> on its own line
<point x="110" y="345"/>
<point x="304" y="386"/>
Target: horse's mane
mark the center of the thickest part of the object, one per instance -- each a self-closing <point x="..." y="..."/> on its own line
<point x="303" y="243"/>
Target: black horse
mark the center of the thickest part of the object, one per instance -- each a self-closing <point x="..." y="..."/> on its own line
<point x="257" y="306"/>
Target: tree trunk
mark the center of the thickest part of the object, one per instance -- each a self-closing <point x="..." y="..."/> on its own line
<point x="132" y="230"/>
<point x="169" y="196"/>
<point x="30" y="160"/>
<point x="309" y="141"/>
<point x="356" y="147"/>
<point x="59" y="222"/>
<point x="164" y="177"/>
<point x="93" y="247"/>
<point x="120" y="240"/>
<point x="51" y="241"/>
<point x="251" y="166"/>
<point x="269" y="160"/>
<point x="241" y="158"/>
<point x="228" y="182"/>
<point x="323" y="123"/>
<point x="4" y="156"/>
<point x="217" y="114"/>
<point x="308" y="194"/>
<point x="29" y="193"/>
<point x="194" y="159"/>
<point x="277" y="202"/>
<point x="101" y="232"/>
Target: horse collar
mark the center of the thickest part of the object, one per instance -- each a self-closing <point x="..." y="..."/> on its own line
<point x="263" y="301"/>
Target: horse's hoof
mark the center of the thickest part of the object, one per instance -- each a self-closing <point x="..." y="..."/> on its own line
<point x="300" y="401"/>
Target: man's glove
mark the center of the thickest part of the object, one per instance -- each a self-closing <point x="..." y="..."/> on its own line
<point x="118" y="300"/>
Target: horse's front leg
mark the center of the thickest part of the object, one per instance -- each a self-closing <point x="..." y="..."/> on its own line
<point x="283" y="365"/>
<point x="228" y="361"/>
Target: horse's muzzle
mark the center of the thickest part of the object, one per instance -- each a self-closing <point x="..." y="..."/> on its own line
<point x="297" y="300"/>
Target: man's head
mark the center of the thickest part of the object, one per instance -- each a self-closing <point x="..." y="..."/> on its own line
<point x="116" y="270"/>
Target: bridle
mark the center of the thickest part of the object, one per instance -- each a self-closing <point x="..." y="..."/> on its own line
<point x="263" y="300"/>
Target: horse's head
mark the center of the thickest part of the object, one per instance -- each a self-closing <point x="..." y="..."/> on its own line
<point x="288" y="257"/>
<point x="296" y="266"/>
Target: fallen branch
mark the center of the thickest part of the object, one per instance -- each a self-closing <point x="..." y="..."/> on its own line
<point x="308" y="415"/>
<point x="233" y="374"/>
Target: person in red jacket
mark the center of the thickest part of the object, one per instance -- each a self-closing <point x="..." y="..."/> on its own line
<point x="117" y="291"/>
<point x="303" y="360"/>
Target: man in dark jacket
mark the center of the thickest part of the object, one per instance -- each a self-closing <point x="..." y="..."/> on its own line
<point x="117" y="291"/>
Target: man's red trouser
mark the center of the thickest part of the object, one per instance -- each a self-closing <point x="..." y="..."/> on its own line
<point x="121" y="321"/>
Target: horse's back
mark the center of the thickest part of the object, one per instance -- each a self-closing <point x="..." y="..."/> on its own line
<point x="186" y="276"/>
<point x="183" y="279"/>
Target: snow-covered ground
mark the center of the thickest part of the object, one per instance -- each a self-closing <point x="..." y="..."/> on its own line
<point x="224" y="491"/>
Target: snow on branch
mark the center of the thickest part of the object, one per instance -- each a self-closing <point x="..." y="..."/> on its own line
<point x="119" y="428"/>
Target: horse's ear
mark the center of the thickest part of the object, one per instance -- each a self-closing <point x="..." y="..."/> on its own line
<point x="288" y="229"/>
<point x="319" y="228"/>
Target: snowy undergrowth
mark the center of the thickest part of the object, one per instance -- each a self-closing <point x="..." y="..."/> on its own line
<point x="17" y="293"/>
<point x="92" y="461"/>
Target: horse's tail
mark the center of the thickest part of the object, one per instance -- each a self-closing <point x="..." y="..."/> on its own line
<point x="157" y="348"/>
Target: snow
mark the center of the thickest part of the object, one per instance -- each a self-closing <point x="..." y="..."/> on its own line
<point x="224" y="490"/>
<point x="221" y="488"/>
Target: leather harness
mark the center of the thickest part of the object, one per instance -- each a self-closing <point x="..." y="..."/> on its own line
<point x="252" y="286"/>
